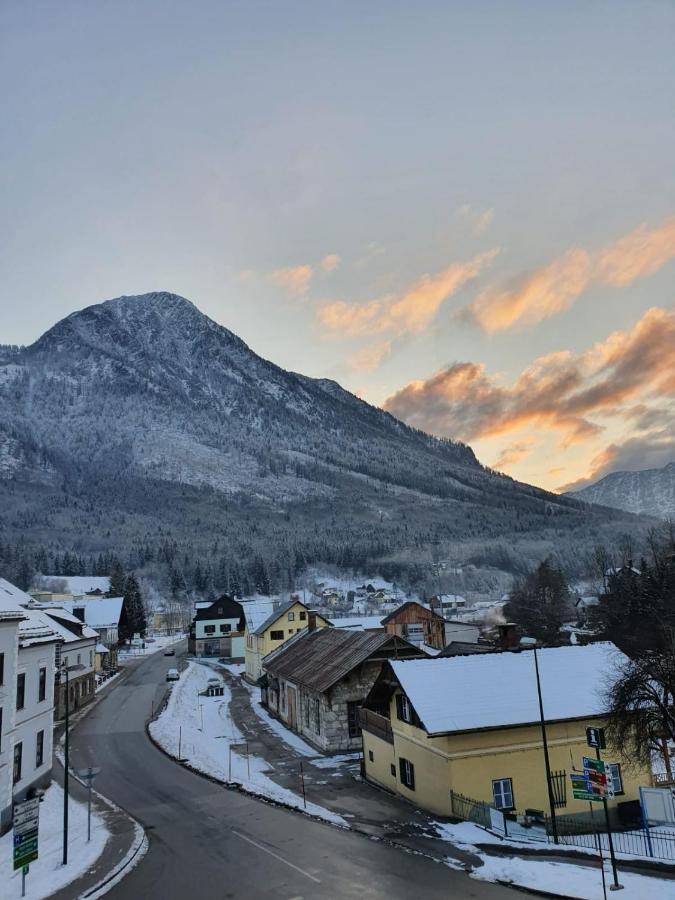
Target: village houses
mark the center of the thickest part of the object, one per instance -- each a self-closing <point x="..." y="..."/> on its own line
<point x="316" y="682"/>
<point x="470" y="725"/>
<point x="417" y="624"/>
<point x="270" y="622"/>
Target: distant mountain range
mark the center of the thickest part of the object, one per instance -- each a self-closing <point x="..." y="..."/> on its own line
<point x="649" y="492"/>
<point x="140" y="419"/>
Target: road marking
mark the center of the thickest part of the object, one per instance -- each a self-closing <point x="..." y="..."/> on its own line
<point x="275" y="855"/>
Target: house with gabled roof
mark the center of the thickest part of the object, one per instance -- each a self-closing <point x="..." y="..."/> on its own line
<point x="218" y="629"/>
<point x="270" y="622"/>
<point x="316" y="682"/>
<point x="416" y="623"/>
<point x="470" y="725"/>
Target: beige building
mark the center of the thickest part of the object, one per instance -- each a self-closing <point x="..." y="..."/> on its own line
<point x="471" y="725"/>
<point x="270" y="622"/>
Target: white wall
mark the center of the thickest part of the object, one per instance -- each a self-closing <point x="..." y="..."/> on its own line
<point x="201" y="633"/>
<point x="8" y="646"/>
<point x="459" y="631"/>
<point x="35" y="716"/>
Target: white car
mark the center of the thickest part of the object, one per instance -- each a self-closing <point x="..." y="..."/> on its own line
<point x="172" y="675"/>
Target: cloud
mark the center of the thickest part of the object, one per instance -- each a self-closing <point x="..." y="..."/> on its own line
<point x="295" y="279"/>
<point x="483" y="222"/>
<point x="650" y="451"/>
<point x="411" y="312"/>
<point x="563" y="391"/>
<point x="371" y="357"/>
<point x="330" y="261"/>
<point x="554" y="288"/>
<point x="513" y="454"/>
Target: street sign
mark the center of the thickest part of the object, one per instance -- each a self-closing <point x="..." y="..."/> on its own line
<point x="595" y="737"/>
<point x="26" y="823"/>
<point x="585" y="795"/>
<point x="596" y="777"/>
<point x="596" y="764"/>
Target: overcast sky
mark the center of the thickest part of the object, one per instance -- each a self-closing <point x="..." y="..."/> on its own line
<point x="464" y="212"/>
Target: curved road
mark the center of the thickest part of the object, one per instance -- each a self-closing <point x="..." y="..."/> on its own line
<point x="211" y="843"/>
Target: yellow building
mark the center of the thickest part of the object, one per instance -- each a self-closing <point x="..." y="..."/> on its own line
<point x="270" y="622"/>
<point x="471" y="725"/>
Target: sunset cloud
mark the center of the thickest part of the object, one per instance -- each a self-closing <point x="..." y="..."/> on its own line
<point x="546" y="292"/>
<point x="410" y="312"/>
<point x="513" y="454"/>
<point x="330" y="261"/>
<point x="294" y="279"/>
<point x="369" y="358"/>
<point x="564" y="391"/>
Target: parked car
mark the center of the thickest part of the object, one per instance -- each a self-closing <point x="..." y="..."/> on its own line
<point x="172" y="675"/>
<point x="169" y="651"/>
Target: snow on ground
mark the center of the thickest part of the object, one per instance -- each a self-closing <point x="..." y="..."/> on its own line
<point x="104" y="684"/>
<point x="582" y="882"/>
<point x="211" y="743"/>
<point x="160" y="642"/>
<point x="47" y="874"/>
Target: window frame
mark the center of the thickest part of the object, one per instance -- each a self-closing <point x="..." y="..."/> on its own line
<point x="42" y="684"/>
<point x="317" y="716"/>
<point x="291" y="616"/>
<point x="20" y="681"/>
<point x="39" y="749"/>
<point x="353" y="728"/>
<point x="2" y="669"/>
<point x="209" y="629"/>
<point x="502" y="793"/>
<point x="303" y="616"/>
<point x="274" y="635"/>
<point x="17" y="762"/>
<point x="617" y="776"/>
<point x="406" y="773"/>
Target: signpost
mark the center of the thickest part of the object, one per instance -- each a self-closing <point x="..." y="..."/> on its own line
<point x="25" y="822"/>
<point x="595" y="771"/>
<point x="595" y="737"/>
<point x="88" y="775"/>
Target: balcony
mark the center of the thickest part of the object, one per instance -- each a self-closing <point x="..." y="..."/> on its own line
<point x="375" y="724"/>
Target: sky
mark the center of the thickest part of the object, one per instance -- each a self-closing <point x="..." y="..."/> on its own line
<point x="462" y="212"/>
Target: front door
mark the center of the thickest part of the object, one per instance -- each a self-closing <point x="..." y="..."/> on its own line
<point x="290" y="697"/>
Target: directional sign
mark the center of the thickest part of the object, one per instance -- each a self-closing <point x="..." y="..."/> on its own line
<point x="596" y="777"/>
<point x="585" y="795"/>
<point x="596" y="764"/>
<point x="26" y="822"/>
<point x="595" y="737"/>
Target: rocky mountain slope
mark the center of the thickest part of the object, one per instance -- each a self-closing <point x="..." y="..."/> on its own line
<point x="650" y="491"/>
<point x="141" y="417"/>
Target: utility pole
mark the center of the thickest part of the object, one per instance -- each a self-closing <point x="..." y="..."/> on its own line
<point x="551" y="799"/>
<point x="66" y="670"/>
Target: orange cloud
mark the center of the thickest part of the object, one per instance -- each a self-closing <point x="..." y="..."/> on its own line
<point x="371" y="357"/>
<point x="330" y="261"/>
<point x="412" y="312"/>
<point x="561" y="390"/>
<point x="513" y="454"/>
<point x="295" y="279"/>
<point x="555" y="288"/>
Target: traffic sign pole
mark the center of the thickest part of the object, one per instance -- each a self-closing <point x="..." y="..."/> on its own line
<point x="616" y="886"/>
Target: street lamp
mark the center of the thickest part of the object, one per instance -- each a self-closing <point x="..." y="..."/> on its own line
<point x="64" y="670"/>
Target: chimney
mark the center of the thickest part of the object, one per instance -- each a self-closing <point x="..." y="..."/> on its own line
<point x="311" y="620"/>
<point x="78" y="612"/>
<point x="508" y="639"/>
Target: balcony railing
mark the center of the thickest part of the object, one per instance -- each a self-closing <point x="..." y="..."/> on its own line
<point x="375" y="724"/>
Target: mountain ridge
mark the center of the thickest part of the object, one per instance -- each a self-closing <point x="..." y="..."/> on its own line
<point x="645" y="491"/>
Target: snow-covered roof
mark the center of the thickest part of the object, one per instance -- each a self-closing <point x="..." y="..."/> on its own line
<point x="99" y="612"/>
<point x="259" y="609"/>
<point x="101" y="648"/>
<point x="12" y="600"/>
<point x="36" y="628"/>
<point x="360" y="623"/>
<point x="497" y="690"/>
<point x="80" y="584"/>
<point x="58" y="621"/>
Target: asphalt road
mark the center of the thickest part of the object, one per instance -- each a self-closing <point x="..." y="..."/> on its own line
<point x="209" y="843"/>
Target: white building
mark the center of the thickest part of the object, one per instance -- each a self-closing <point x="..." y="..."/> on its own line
<point x="27" y="648"/>
<point x="77" y="647"/>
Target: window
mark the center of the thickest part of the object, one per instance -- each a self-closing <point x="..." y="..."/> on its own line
<point x="42" y="685"/>
<point x="277" y="635"/>
<point x="306" y="705"/>
<point x="371" y="756"/>
<point x="290" y="631"/>
<point x="2" y="668"/>
<point x="403" y="708"/>
<point x="91" y="657"/>
<point x="502" y="792"/>
<point x="225" y="628"/>
<point x="393" y="771"/>
<point x="209" y="629"/>
<point x="291" y="617"/>
<point x="79" y="659"/>
<point x="317" y="717"/>
<point x="303" y="616"/>
<point x="18" y="753"/>
<point x="39" y="749"/>
<point x="407" y="773"/>
<point x="353" y="718"/>
<point x="617" y="778"/>
<point x="0" y="729"/>
<point x="20" y="690"/>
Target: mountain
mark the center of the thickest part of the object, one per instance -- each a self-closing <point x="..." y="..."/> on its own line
<point x="649" y="492"/>
<point x="140" y="421"/>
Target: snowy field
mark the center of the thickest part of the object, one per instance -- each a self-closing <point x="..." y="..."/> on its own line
<point x="201" y="731"/>
<point x="47" y="874"/>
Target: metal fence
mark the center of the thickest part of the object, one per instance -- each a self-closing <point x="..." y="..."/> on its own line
<point x="655" y="842"/>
